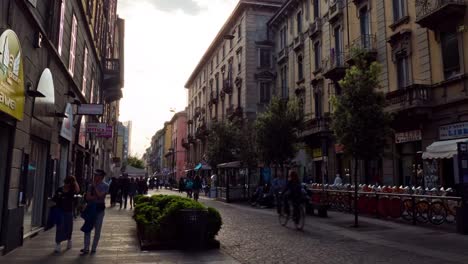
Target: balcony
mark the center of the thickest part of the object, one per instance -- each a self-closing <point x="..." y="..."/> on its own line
<point x="185" y="143"/>
<point x="432" y="14"/>
<point x="201" y="132"/>
<point x="213" y="97"/>
<point x="227" y="86"/>
<point x="315" y="28"/>
<point x="282" y="55"/>
<point x="113" y="80"/>
<point x="367" y="43"/>
<point x="414" y="97"/>
<point x="334" y="67"/>
<point x="298" y="43"/>
<point x="317" y="126"/>
<point x="335" y="11"/>
<point x="197" y="112"/>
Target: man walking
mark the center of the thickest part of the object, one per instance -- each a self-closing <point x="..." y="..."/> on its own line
<point x="124" y="186"/>
<point x="95" y="197"/>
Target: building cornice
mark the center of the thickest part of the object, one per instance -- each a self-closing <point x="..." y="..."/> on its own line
<point x="238" y="10"/>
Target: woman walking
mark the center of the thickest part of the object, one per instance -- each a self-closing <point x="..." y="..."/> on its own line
<point x="64" y="199"/>
<point x="132" y="189"/>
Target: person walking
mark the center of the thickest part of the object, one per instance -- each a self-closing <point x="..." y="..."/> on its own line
<point x="197" y="185"/>
<point x="124" y="185"/>
<point x="132" y="189"/>
<point x="188" y="187"/>
<point x="64" y="199"/>
<point x="113" y="190"/>
<point x="95" y="197"/>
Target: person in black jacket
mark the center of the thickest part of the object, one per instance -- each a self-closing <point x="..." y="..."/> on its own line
<point x="113" y="190"/>
<point x="124" y="187"/>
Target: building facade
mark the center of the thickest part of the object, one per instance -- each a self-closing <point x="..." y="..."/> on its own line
<point x="54" y="58"/>
<point x="176" y="155"/>
<point x="235" y="78"/>
<point x="419" y="46"/>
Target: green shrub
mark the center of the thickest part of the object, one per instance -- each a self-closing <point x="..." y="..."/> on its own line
<point x="214" y="223"/>
<point x="158" y="215"/>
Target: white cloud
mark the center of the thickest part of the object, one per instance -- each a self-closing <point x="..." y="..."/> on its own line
<point x="163" y="44"/>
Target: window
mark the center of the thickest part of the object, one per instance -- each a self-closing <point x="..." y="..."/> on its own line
<point x="402" y="71"/>
<point x="265" y="58"/>
<point x="239" y="62"/>
<point x="300" y="68"/>
<point x="299" y="22"/>
<point x="264" y="92"/>
<point x="364" y="22"/>
<point x="224" y="51"/>
<point x="239" y="31"/>
<point x="398" y="9"/>
<point x="71" y="64"/>
<point x="283" y="39"/>
<point x="91" y="99"/>
<point x="62" y="22"/>
<point x="450" y="53"/>
<point x="217" y="84"/>
<point x="284" y="82"/>
<point x="217" y="59"/>
<point x="318" y="104"/>
<point x="85" y="71"/>
<point x="211" y="66"/>
<point x="316" y="9"/>
<point x="317" y="56"/>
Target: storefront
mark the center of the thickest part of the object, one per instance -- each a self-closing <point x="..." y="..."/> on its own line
<point x="440" y="158"/>
<point x="409" y="163"/>
<point x="12" y="100"/>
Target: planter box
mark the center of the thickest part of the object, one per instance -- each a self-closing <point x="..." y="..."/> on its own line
<point x="190" y="233"/>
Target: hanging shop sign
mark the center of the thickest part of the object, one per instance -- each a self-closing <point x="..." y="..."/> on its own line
<point x="91" y="109"/>
<point x="108" y="133"/>
<point x="408" y="136"/>
<point x="67" y="124"/>
<point x="96" y="128"/>
<point x="11" y="75"/>
<point x="316" y="153"/>
<point x="452" y="131"/>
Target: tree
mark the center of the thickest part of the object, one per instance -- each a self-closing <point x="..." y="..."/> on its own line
<point x="222" y="143"/>
<point x="277" y="129"/>
<point x="135" y="162"/>
<point x="359" y="121"/>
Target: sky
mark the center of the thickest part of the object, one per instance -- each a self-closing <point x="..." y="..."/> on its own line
<point x="164" y="41"/>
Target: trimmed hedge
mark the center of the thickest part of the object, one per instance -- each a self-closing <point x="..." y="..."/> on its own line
<point x="157" y="215"/>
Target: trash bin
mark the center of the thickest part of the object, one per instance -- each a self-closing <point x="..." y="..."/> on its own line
<point x="191" y="225"/>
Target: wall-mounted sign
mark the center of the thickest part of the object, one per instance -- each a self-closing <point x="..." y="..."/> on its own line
<point x="108" y="133"/>
<point x="11" y="75"/>
<point x="67" y="124"/>
<point x="91" y="109"/>
<point x="316" y="153"/>
<point x="339" y="148"/>
<point x="408" y="136"/>
<point x="44" y="107"/>
<point x="96" y="128"/>
<point x="452" y="131"/>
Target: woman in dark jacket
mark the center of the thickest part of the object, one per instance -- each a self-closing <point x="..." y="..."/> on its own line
<point x="64" y="199"/>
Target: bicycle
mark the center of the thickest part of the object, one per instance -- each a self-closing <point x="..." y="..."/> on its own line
<point x="284" y="213"/>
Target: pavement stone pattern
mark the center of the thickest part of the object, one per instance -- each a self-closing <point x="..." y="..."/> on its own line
<point x="118" y="244"/>
<point x="253" y="235"/>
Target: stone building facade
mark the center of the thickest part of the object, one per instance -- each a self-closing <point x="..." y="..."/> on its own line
<point x="234" y="78"/>
<point x="56" y="57"/>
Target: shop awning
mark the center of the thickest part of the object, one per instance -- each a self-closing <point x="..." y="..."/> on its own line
<point x="233" y="164"/>
<point x="201" y="166"/>
<point x="442" y="149"/>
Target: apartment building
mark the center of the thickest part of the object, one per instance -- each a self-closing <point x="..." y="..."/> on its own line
<point x="54" y="60"/>
<point x="234" y="79"/>
<point x="420" y="48"/>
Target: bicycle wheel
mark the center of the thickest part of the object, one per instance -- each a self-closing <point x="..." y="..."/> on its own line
<point x="299" y="223"/>
<point x="437" y="213"/>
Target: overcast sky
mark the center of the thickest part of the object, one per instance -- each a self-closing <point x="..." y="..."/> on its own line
<point x="164" y="41"/>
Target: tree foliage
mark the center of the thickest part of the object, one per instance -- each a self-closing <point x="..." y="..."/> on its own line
<point x="276" y="130"/>
<point x="359" y="120"/>
<point x="135" y="162"/>
<point x="222" y="145"/>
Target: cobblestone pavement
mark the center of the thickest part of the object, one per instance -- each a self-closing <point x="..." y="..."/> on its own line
<point x="254" y="235"/>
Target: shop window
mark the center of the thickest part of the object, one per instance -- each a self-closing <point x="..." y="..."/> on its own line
<point x="450" y="53"/>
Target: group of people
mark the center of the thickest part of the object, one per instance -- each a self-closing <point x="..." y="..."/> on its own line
<point x="191" y="186"/>
<point x="93" y="214"/>
<point x="124" y="188"/>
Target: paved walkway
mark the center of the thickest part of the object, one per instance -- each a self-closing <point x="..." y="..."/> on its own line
<point x="118" y="244"/>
